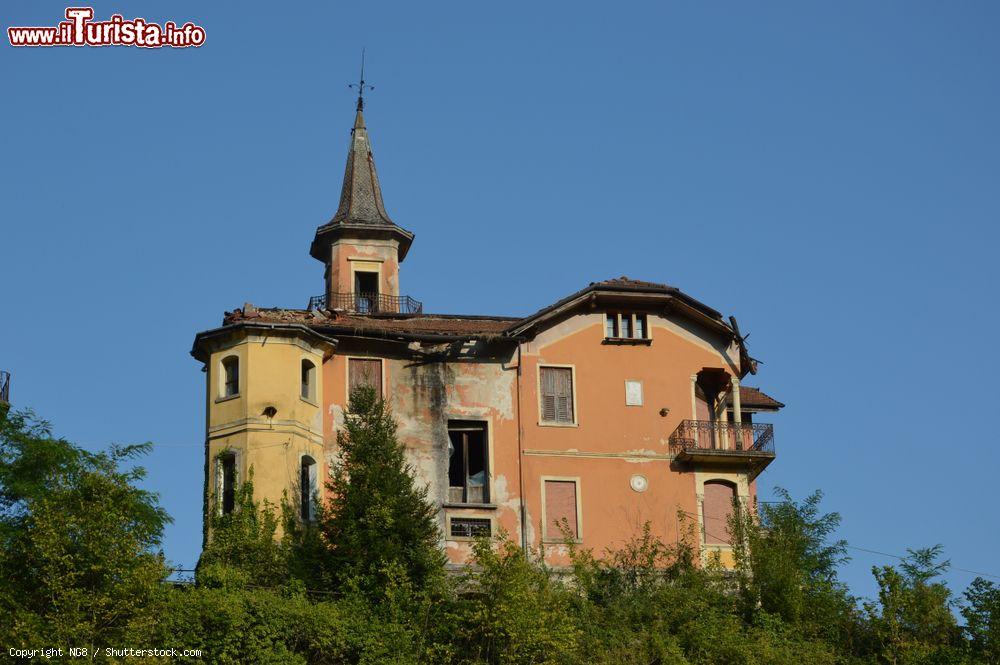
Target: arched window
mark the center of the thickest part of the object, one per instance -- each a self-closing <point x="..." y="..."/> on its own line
<point x="308" y="380"/>
<point x="717" y="509"/>
<point x="230" y="376"/>
<point x="307" y="489"/>
<point x="226" y="482"/>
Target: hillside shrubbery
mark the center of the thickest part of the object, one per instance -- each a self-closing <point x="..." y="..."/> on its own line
<point x="79" y="567"/>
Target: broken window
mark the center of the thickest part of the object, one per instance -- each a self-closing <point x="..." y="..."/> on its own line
<point x="625" y="325"/>
<point x="307" y="488"/>
<point x="308" y="380"/>
<point x="561" y="510"/>
<point x="366" y="292"/>
<point x="557" y="394"/>
<point x="470" y="527"/>
<point x="468" y="462"/>
<point x="231" y="376"/>
<point x="227" y="482"/>
<point x="364" y="372"/>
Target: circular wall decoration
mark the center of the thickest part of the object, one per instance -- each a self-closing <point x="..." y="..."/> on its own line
<point x="639" y="483"/>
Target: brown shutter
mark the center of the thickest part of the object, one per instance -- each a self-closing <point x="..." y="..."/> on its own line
<point x="564" y="395"/>
<point x="716" y="511"/>
<point x="560" y="504"/>
<point x="364" y="372"/>
<point x="548" y="393"/>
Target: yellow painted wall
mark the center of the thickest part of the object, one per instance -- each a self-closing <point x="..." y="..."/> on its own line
<point x="270" y="376"/>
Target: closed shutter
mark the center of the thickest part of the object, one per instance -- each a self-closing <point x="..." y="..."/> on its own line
<point x="365" y="372"/>
<point x="716" y="511"/>
<point x="560" y="504"/>
<point x="557" y="394"/>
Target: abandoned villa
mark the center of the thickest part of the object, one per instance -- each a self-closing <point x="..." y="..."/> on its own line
<point x="618" y="405"/>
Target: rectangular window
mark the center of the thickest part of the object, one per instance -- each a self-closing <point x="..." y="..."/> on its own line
<point x="470" y="527"/>
<point x="468" y="462"/>
<point x="227" y="483"/>
<point x="625" y="325"/>
<point x="364" y="372"/>
<point x="561" y="509"/>
<point x="557" y="395"/>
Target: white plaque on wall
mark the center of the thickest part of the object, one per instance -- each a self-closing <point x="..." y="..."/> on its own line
<point x="633" y="393"/>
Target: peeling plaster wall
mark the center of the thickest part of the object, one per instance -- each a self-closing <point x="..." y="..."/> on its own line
<point x="344" y="252"/>
<point x="425" y="393"/>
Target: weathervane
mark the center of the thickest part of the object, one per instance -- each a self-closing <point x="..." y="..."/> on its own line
<point x="361" y="85"/>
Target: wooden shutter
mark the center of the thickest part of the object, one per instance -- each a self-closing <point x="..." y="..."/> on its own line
<point x="716" y="511"/>
<point x="560" y="504"/>
<point x="548" y="394"/>
<point x="564" y="395"/>
<point x="365" y="372"/>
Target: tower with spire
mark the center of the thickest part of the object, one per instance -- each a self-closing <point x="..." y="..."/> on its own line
<point x="361" y="246"/>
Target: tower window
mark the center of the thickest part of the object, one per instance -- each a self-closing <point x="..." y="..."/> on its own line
<point x="308" y="390"/>
<point x="230" y="376"/>
<point x="307" y="489"/>
<point x="468" y="462"/>
<point x="366" y="299"/>
<point x="227" y="482"/>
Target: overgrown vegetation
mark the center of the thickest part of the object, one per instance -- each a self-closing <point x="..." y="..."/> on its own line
<point x="366" y="583"/>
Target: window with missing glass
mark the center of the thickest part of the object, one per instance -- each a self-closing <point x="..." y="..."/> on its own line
<point x="625" y="326"/>
<point x="468" y="462"/>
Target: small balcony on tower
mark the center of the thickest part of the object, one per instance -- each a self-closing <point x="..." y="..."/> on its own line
<point x="367" y="303"/>
<point x="724" y="443"/>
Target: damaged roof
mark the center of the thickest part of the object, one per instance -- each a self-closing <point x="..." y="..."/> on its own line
<point x="755" y="398"/>
<point x="451" y="327"/>
<point x="381" y="325"/>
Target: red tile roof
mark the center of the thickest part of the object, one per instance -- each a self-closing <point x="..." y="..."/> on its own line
<point x="755" y="398"/>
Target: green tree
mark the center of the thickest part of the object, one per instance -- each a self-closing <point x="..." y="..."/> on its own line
<point x="787" y="566"/>
<point x="78" y="564"/>
<point x="982" y="619"/>
<point x="913" y="621"/>
<point x="377" y="522"/>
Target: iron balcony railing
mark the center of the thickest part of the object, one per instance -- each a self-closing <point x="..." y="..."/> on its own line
<point x="693" y="435"/>
<point x="4" y="386"/>
<point x="367" y="303"/>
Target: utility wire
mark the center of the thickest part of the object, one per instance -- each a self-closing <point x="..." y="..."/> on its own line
<point x="854" y="547"/>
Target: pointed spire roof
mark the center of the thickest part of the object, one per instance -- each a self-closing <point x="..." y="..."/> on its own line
<point x="361" y="213"/>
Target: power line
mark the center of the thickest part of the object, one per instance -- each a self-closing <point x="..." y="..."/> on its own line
<point x="860" y="549"/>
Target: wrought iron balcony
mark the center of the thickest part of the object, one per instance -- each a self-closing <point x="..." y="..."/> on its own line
<point x="711" y="441"/>
<point x="367" y="303"/>
<point x="4" y="386"/>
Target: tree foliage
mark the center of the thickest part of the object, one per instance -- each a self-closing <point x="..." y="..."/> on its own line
<point x="78" y="559"/>
<point x="377" y="520"/>
<point x="366" y="583"/>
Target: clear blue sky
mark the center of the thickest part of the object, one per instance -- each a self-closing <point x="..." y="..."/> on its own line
<point x="828" y="172"/>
